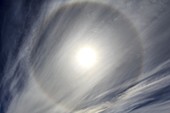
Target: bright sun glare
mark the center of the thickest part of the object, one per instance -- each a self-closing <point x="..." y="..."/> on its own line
<point x="86" y="57"/>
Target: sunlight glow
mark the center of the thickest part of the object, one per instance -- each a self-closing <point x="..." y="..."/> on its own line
<point x="86" y="57"/>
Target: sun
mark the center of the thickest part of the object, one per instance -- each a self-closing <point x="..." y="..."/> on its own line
<point x="86" y="57"/>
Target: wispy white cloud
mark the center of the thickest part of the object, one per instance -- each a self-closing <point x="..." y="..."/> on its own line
<point x="68" y="98"/>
